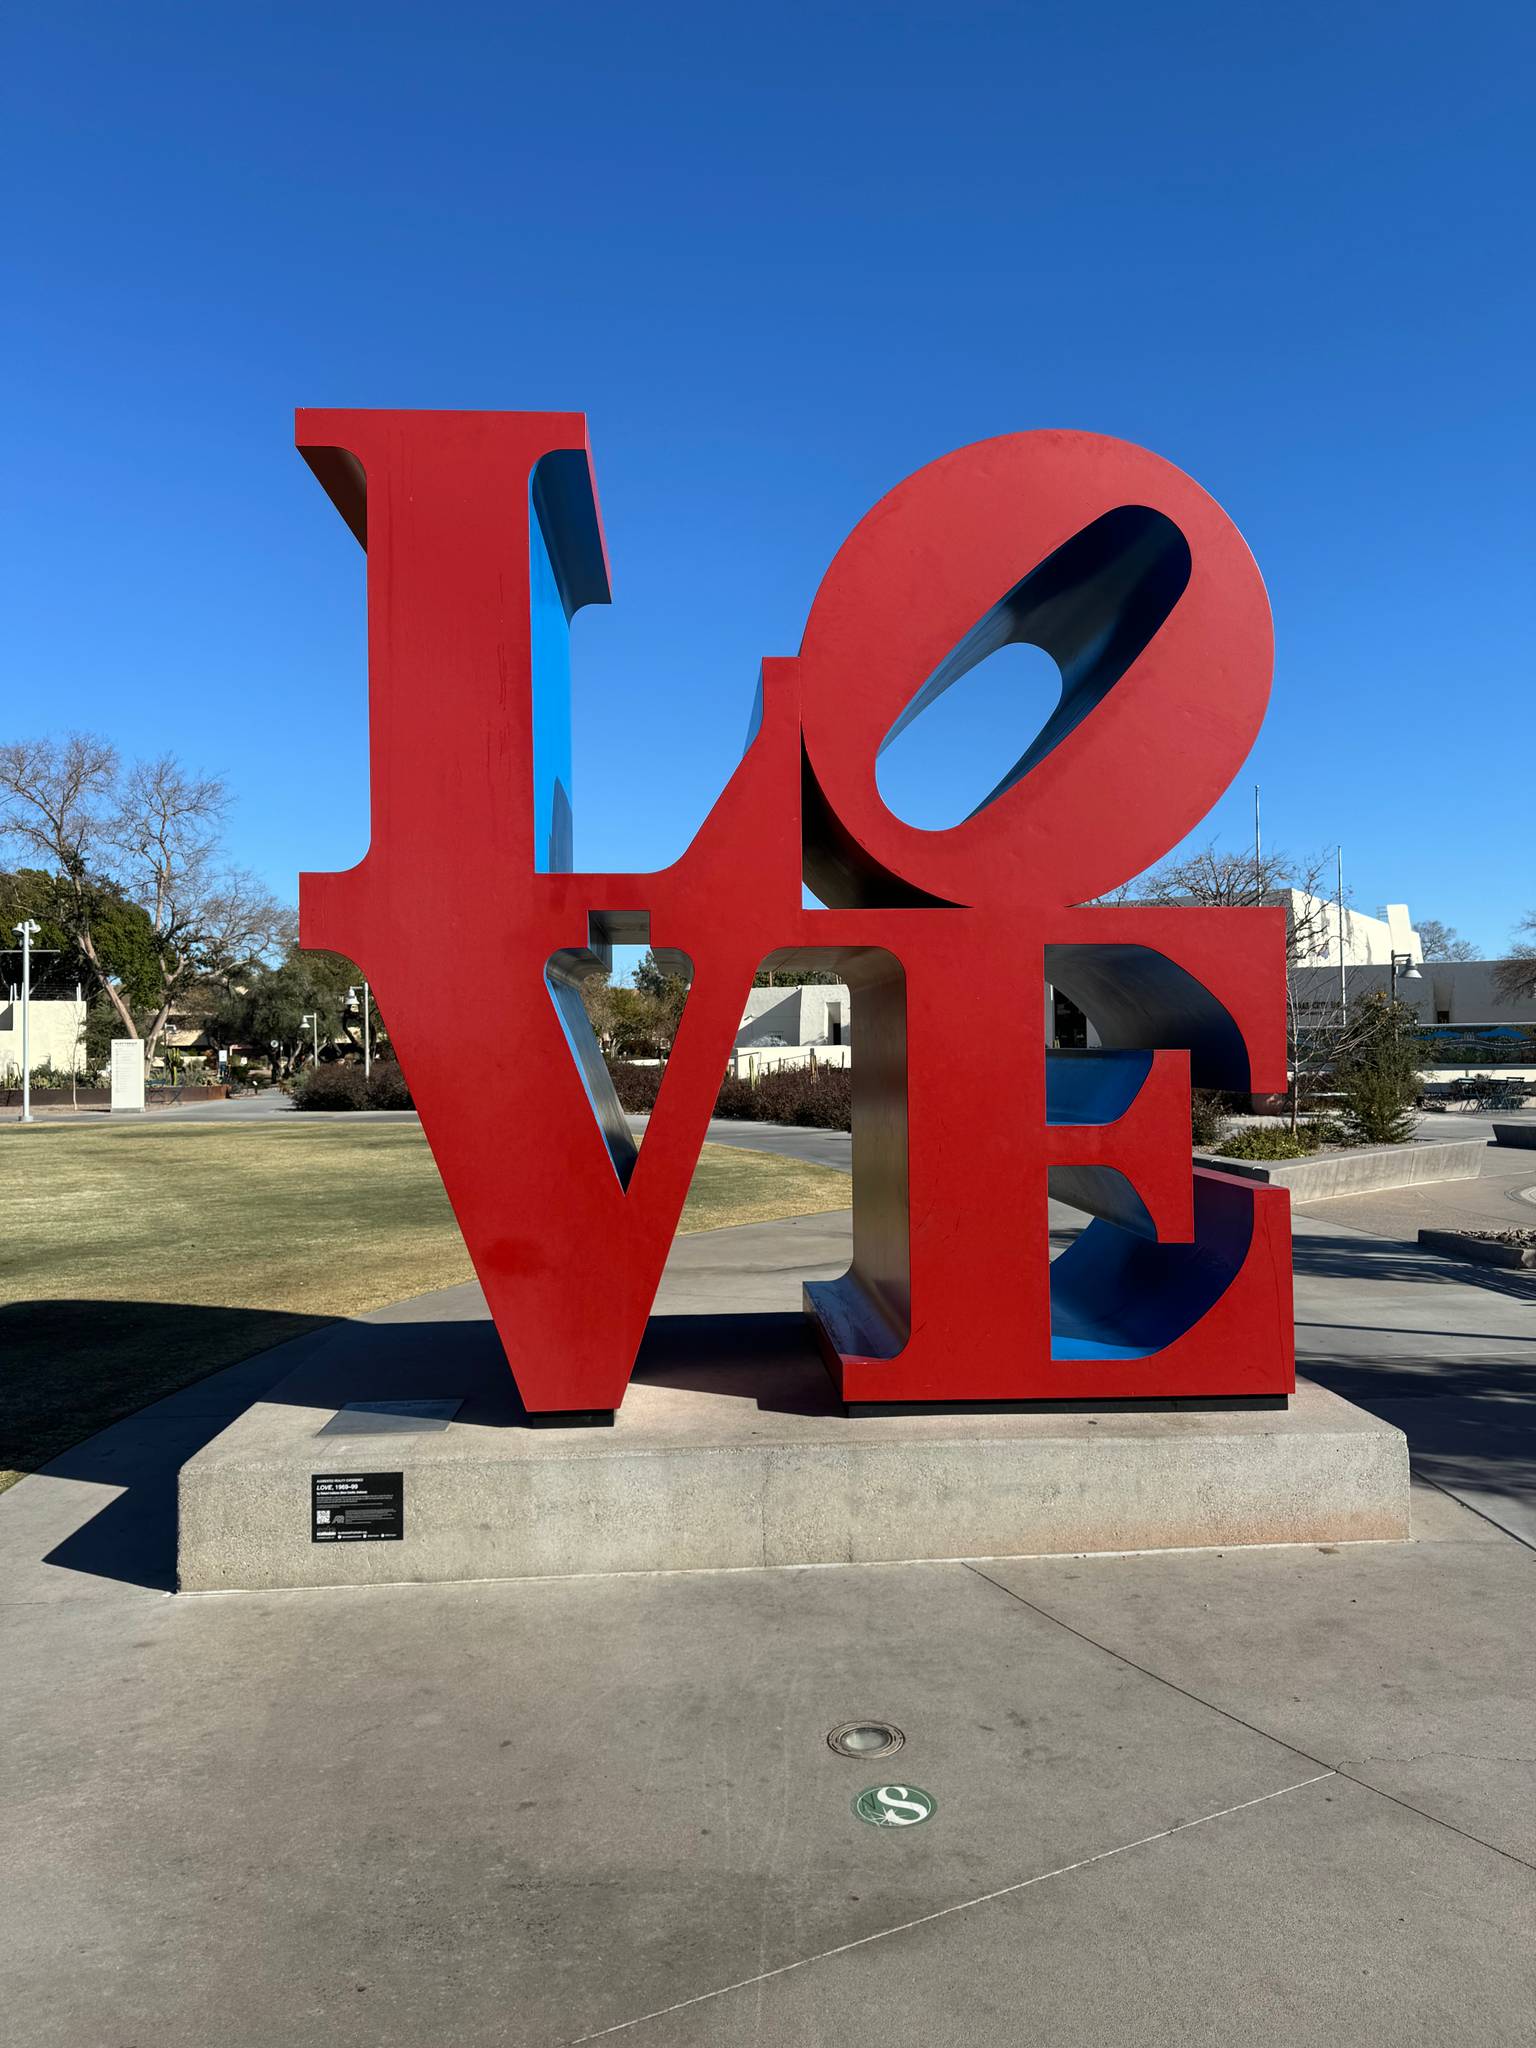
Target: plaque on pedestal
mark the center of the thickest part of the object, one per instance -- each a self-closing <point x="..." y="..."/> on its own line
<point x="127" y="1074"/>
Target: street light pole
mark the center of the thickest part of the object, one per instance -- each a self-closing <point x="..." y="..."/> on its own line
<point x="367" y="1042"/>
<point x="1410" y="972"/>
<point x="24" y="932"/>
<point x="313" y="1021"/>
<point x="1258" y="858"/>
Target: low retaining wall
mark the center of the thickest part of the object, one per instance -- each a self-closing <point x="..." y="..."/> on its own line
<point x="1360" y="1169"/>
<point x="56" y="1098"/>
<point x="1455" y="1244"/>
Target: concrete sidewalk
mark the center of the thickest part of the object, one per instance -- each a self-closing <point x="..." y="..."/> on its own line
<point x="239" y="1109"/>
<point x="1502" y="1197"/>
<point x="1263" y="1797"/>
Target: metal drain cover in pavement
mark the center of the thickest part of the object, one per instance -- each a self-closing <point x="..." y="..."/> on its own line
<point x="866" y="1739"/>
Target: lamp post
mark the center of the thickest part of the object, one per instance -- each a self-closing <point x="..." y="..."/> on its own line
<point x="1411" y="970"/>
<point x="24" y="932"/>
<point x="367" y="1042"/>
<point x="313" y="1021"/>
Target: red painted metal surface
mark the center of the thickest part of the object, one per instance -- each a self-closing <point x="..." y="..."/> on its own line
<point x="1144" y="592"/>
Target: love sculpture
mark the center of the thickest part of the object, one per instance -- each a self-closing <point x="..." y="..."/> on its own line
<point x="483" y="539"/>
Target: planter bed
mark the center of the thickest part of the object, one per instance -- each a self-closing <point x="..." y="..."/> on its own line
<point x="56" y="1098"/>
<point x="1483" y="1251"/>
<point x="158" y="1092"/>
<point x="1359" y="1169"/>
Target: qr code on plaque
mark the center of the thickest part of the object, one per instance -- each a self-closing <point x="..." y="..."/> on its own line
<point x="322" y="1514"/>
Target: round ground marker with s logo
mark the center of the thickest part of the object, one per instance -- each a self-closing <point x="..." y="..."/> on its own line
<point x="895" y="1806"/>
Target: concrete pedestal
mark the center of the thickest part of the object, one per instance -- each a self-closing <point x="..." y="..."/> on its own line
<point x="730" y="1451"/>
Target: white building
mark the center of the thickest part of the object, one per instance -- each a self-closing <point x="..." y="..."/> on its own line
<point x="816" y="1014"/>
<point x="1367" y="941"/>
<point x="786" y="1027"/>
<point x="57" y="1036"/>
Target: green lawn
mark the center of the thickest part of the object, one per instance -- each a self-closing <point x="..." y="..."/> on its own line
<point x="136" y="1258"/>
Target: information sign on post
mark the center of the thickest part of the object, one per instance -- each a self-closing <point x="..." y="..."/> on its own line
<point x="127" y="1074"/>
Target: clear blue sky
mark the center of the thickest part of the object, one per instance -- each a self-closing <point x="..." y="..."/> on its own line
<point x="781" y="256"/>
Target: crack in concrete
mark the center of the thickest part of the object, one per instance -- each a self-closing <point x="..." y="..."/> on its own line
<point x="1465" y="1756"/>
<point x="1305" y="1755"/>
<point x="945" y="1912"/>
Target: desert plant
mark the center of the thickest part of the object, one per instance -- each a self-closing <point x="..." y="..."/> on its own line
<point x="50" y="1076"/>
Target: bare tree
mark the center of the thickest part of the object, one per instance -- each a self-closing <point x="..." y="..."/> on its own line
<point x="1222" y="880"/>
<point x="56" y="797"/>
<point x="164" y="830"/>
<point x="1443" y="942"/>
<point x="151" y="834"/>
<point x="222" y="926"/>
<point x="1317" y="1033"/>
<point x="1515" y="975"/>
<point x="207" y="921"/>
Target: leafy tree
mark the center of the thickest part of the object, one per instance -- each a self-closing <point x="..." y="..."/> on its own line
<point x="102" y="1025"/>
<point x="664" y="995"/>
<point x="597" y="996"/>
<point x="271" y="1003"/>
<point x="1442" y="942"/>
<point x="124" y="942"/>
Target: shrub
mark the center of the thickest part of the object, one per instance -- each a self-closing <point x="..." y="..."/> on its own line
<point x="1378" y="1076"/>
<point x="1207" y="1115"/>
<point x="637" y="1087"/>
<point x="388" y="1087"/>
<point x="1269" y="1141"/>
<point x="334" y="1084"/>
<point x="1376" y="1110"/>
<point x="821" y="1097"/>
<point x="736" y="1098"/>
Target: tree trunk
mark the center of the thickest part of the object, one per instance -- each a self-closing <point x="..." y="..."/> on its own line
<point x="152" y="1036"/>
<point x="88" y="948"/>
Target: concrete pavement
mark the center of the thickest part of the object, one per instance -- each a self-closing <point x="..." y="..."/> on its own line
<point x="266" y="1104"/>
<point x="1501" y="1197"/>
<point x="1269" y="1797"/>
<point x="1272" y="1797"/>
